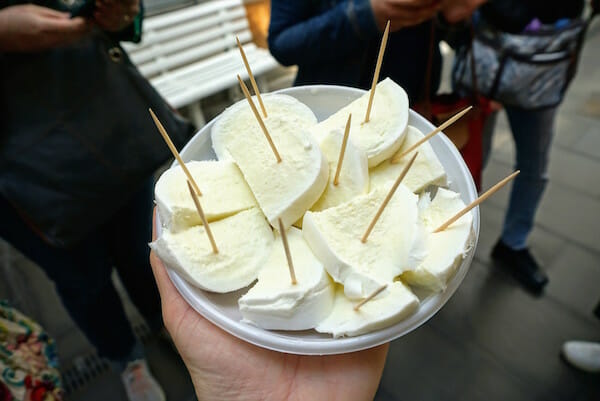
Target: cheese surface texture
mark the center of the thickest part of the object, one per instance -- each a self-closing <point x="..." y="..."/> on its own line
<point x="392" y="305"/>
<point x="395" y="244"/>
<point x="275" y="303"/>
<point x="382" y="136"/>
<point x="425" y="171"/>
<point x="244" y="241"/>
<point x="446" y="249"/>
<point x="283" y="190"/>
<point x="224" y="193"/>
<point x="354" y="174"/>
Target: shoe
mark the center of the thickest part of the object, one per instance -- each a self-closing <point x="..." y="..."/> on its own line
<point x="584" y="355"/>
<point x="139" y="383"/>
<point x="521" y="265"/>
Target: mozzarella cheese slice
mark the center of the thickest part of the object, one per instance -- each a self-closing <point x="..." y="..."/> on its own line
<point x="244" y="241"/>
<point x="224" y="193"/>
<point x="392" y="305"/>
<point x="382" y="136"/>
<point x="283" y="190"/>
<point x="275" y="303"/>
<point x="354" y="174"/>
<point x="283" y="113"/>
<point x="394" y="245"/>
<point x="425" y="171"/>
<point x="446" y="249"/>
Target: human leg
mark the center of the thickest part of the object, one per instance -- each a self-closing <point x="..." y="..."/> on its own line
<point x="532" y="132"/>
<point x="82" y="279"/>
<point x="128" y="234"/>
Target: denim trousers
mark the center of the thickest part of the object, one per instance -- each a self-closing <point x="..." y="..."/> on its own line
<point x="82" y="274"/>
<point x="532" y="131"/>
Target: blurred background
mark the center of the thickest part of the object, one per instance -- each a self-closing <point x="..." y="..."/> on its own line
<point x="492" y="341"/>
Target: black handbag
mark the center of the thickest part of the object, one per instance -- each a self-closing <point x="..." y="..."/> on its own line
<point x="76" y="138"/>
<point x="530" y="70"/>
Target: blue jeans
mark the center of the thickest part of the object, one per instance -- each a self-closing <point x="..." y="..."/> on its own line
<point x="82" y="274"/>
<point x="532" y="132"/>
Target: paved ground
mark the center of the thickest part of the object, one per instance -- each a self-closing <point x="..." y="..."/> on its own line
<point x="492" y="341"/>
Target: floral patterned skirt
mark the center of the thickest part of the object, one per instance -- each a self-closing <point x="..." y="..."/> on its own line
<point x="28" y="360"/>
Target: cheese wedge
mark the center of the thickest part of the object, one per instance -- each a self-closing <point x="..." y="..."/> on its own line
<point x="392" y="305"/>
<point x="382" y="136"/>
<point x="275" y="303"/>
<point x="286" y="189"/>
<point x="284" y="113"/>
<point x="446" y="249"/>
<point x="224" y="193"/>
<point x="425" y="171"/>
<point x="396" y="243"/>
<point x="244" y="241"/>
<point x="354" y="174"/>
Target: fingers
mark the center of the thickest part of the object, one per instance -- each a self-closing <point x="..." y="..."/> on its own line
<point x="46" y="12"/>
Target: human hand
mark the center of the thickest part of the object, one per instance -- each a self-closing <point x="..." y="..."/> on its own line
<point x="31" y="28"/>
<point x="223" y="367"/>
<point x="458" y="10"/>
<point x="115" y="15"/>
<point x="403" y="13"/>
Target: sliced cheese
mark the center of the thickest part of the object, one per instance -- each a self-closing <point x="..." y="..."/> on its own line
<point x="354" y="174"/>
<point x="395" y="244"/>
<point x="446" y="249"/>
<point x="224" y="193"/>
<point x="244" y="241"/>
<point x="283" y="113"/>
<point x="275" y="303"/>
<point x="392" y="305"/>
<point x="425" y="171"/>
<point x="286" y="189"/>
<point x="382" y="136"/>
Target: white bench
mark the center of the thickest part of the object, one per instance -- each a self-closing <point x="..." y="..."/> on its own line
<point x="191" y="53"/>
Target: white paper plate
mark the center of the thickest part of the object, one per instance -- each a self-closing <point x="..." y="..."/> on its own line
<point x="222" y="309"/>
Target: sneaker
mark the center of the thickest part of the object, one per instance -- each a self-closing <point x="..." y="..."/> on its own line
<point x="521" y="265"/>
<point x="139" y="383"/>
<point x="584" y="355"/>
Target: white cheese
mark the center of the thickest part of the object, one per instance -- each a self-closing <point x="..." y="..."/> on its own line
<point x="382" y="136"/>
<point x="425" y="171"/>
<point x="394" y="245"/>
<point x="446" y="249"/>
<point x="277" y="304"/>
<point x="286" y="189"/>
<point x="354" y="174"/>
<point x="244" y="241"/>
<point x="224" y="193"/>
<point x="392" y="305"/>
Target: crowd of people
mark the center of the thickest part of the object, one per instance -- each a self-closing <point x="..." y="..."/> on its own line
<point x="74" y="200"/>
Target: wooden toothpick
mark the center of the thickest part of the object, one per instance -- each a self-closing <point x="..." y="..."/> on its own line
<point x="377" y="69"/>
<point x="342" y="152"/>
<point x="388" y="198"/>
<point x="203" y="218"/>
<point x="477" y="201"/>
<point x="427" y="137"/>
<point x="252" y="80"/>
<point x="259" y="118"/>
<point x="165" y="136"/>
<point x="288" y="254"/>
<point x="370" y="297"/>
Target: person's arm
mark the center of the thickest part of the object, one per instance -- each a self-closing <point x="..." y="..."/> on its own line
<point x="297" y="36"/>
<point x="31" y="28"/>
<point x="223" y="367"/>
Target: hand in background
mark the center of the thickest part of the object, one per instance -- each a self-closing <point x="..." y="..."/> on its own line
<point x="31" y="28"/>
<point x="223" y="367"/>
<point x="403" y="13"/>
<point x="458" y="10"/>
<point x="115" y="15"/>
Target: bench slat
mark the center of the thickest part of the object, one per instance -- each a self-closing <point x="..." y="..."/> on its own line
<point x="189" y="13"/>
